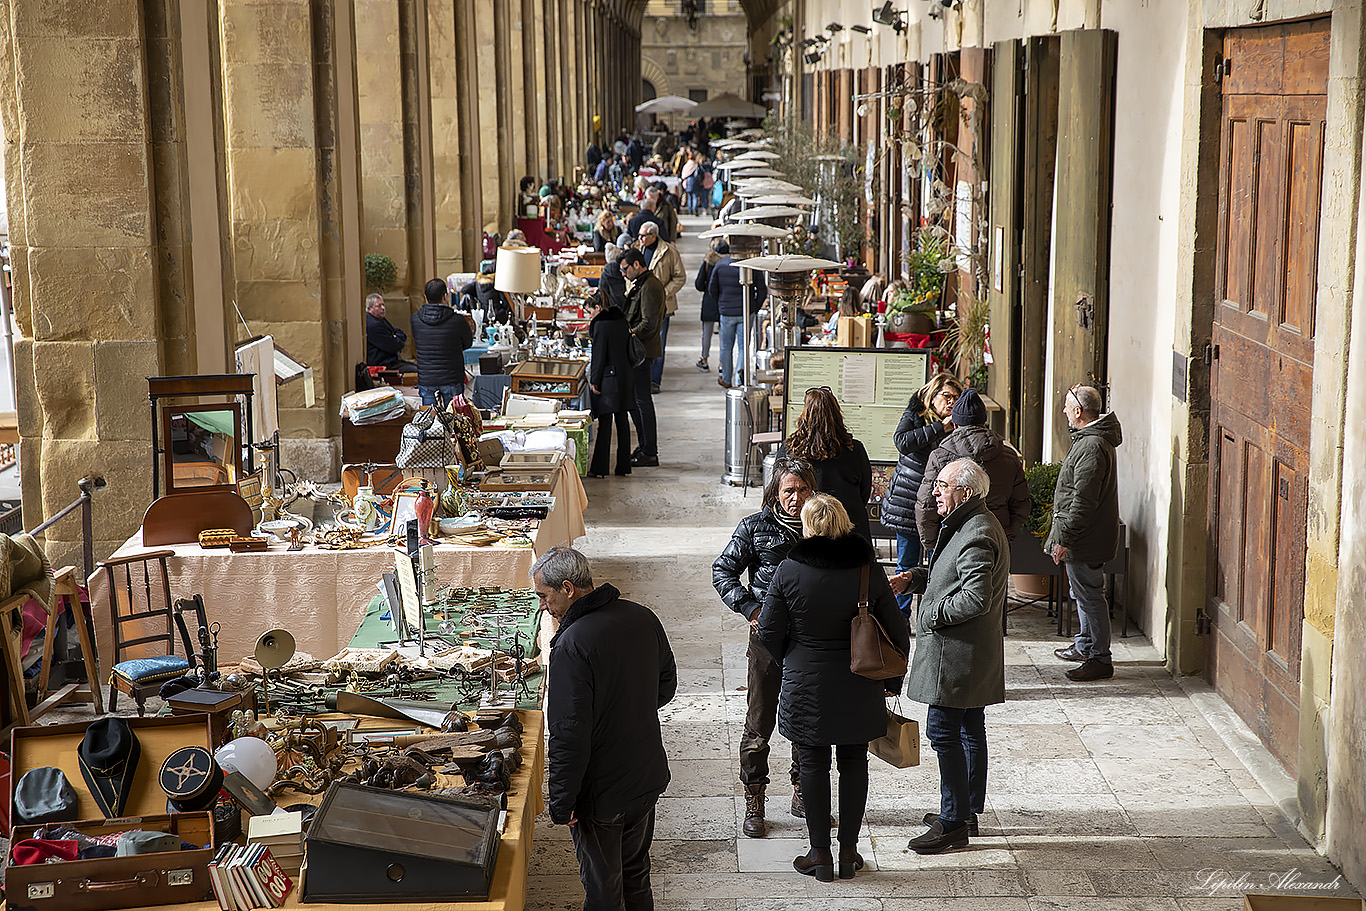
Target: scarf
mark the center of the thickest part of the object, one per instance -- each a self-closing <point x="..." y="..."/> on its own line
<point x="791" y="523"/>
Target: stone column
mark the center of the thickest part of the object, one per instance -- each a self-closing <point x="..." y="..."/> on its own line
<point x="458" y="208"/>
<point x="293" y="187"/>
<point x="79" y="125"/>
<point x="533" y="12"/>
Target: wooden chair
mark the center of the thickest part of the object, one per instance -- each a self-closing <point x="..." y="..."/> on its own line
<point x="141" y="620"/>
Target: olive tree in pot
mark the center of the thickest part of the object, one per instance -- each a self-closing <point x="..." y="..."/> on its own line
<point x="381" y="273"/>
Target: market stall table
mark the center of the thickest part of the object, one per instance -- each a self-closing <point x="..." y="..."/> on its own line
<point x="508" y="889"/>
<point x="320" y="595"/>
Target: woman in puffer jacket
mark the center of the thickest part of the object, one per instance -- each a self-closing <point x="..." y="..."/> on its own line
<point x="924" y="424"/>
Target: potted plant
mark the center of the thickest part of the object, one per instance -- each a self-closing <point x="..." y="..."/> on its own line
<point x="381" y="273"/>
<point x="913" y="309"/>
<point x="1042" y="479"/>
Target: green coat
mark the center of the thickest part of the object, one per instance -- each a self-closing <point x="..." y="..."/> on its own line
<point x="1086" y="498"/>
<point x="645" y="312"/>
<point x="959" y="657"/>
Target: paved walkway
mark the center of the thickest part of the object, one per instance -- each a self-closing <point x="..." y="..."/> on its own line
<point x="1142" y="792"/>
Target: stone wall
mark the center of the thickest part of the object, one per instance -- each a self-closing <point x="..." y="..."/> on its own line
<point x="711" y="57"/>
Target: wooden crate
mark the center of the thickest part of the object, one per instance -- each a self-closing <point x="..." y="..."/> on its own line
<point x="550" y="378"/>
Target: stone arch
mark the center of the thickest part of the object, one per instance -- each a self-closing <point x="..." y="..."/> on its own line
<point x="653" y="73"/>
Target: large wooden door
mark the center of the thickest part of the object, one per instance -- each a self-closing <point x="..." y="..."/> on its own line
<point x="1081" y="275"/>
<point x="1274" y="87"/>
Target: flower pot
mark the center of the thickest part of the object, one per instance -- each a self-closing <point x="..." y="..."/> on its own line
<point x="1031" y="586"/>
<point x="910" y="323"/>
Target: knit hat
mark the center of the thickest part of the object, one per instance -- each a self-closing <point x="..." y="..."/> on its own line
<point x="969" y="409"/>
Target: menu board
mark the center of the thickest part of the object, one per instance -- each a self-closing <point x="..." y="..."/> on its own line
<point x="872" y="385"/>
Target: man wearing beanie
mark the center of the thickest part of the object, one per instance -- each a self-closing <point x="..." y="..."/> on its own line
<point x="1008" y="496"/>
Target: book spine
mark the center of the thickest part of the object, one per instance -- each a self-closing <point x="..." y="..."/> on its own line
<point x="259" y="897"/>
<point x="225" y="902"/>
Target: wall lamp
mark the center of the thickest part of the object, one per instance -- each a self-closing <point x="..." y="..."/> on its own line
<point x="861" y="29"/>
<point x="812" y="58"/>
<point x="886" y="14"/>
<point x="834" y="27"/>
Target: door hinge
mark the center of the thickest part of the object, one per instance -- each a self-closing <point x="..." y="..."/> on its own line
<point x="1202" y="622"/>
<point x="1222" y="67"/>
<point x="1211" y="354"/>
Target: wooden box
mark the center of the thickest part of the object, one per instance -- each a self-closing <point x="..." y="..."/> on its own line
<point x="140" y="881"/>
<point x="855" y="332"/>
<point x="550" y="378"/>
<point x="519" y="480"/>
<point x="372" y="442"/>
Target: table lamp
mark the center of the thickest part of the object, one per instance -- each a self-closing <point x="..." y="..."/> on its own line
<point x="518" y="274"/>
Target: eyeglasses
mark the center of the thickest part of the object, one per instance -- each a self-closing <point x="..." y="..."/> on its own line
<point x="947" y="485"/>
<point x="814" y="388"/>
<point x="947" y="396"/>
<point x="1071" y="393"/>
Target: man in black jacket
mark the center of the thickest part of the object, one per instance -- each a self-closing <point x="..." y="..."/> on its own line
<point x="645" y="314"/>
<point x="760" y="542"/>
<point x="440" y="336"/>
<point x="611" y="670"/>
<point x="383" y="340"/>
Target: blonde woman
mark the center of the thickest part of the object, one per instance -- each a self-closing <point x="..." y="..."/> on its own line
<point x="924" y="424"/>
<point x="805" y="624"/>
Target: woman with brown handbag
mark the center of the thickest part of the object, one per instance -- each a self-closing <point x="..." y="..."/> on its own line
<point x="805" y="623"/>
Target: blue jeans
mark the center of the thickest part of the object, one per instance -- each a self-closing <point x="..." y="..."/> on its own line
<point x="907" y="556"/>
<point x="657" y="368"/>
<point x="440" y="395"/>
<point x="959" y="738"/>
<point x="1086" y="585"/>
<point x="731" y="336"/>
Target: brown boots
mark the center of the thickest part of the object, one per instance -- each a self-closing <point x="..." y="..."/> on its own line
<point x="754" y="825"/>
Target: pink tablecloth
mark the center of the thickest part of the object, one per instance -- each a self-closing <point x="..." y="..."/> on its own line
<point x="320" y="595"/>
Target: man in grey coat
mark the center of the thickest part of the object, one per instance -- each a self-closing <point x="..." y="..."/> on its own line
<point x="1084" y="535"/>
<point x="959" y="663"/>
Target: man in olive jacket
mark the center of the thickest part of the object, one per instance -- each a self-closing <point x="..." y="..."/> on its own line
<point x="1085" y="531"/>
<point x="959" y="663"/>
<point x="645" y="314"/>
<point x="611" y="670"/>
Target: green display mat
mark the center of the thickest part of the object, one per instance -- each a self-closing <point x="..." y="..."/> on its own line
<point x="373" y="631"/>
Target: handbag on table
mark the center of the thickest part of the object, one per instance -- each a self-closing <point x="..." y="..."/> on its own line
<point x="871" y="652"/>
<point x="426" y="441"/>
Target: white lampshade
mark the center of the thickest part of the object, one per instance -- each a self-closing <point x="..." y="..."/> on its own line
<point x="251" y="756"/>
<point x="518" y="270"/>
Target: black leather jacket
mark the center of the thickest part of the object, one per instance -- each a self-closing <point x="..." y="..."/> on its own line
<point x="759" y="544"/>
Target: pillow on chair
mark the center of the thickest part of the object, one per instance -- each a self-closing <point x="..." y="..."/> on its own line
<point x="140" y="671"/>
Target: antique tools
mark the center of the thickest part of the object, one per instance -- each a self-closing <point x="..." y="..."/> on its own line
<point x="205" y="658"/>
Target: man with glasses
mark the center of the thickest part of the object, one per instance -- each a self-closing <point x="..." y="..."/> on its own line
<point x="959" y="663"/>
<point x="1085" y="531"/>
<point x="760" y="542"/>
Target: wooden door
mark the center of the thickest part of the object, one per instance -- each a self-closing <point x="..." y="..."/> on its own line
<point x="1274" y="87"/>
<point x="1081" y="290"/>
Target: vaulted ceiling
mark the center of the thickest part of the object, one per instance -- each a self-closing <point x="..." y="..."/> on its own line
<point x="631" y="11"/>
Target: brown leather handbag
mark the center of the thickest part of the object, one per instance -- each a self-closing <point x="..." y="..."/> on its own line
<point x="871" y="653"/>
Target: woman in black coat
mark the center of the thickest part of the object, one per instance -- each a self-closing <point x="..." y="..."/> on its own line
<point x="841" y="462"/>
<point x="611" y="280"/>
<point x="609" y="378"/>
<point x="804" y="624"/>
<point x="924" y="424"/>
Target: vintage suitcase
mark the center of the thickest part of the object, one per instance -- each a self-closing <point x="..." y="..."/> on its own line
<point x="116" y="882"/>
<point x="373" y="845"/>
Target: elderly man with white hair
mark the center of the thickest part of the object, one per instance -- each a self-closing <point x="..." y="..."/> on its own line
<point x="959" y="663"/>
<point x="664" y="261"/>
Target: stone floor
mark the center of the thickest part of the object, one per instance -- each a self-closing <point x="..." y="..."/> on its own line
<point x="1142" y="792"/>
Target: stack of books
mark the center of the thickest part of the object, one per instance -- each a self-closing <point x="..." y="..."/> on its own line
<point x="247" y="877"/>
<point x="283" y="834"/>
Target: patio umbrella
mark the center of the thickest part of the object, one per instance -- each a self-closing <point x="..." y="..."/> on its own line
<point x="727" y="104"/>
<point x="783" y="199"/>
<point x="764" y="172"/>
<point x="744" y="231"/>
<point x="737" y="165"/>
<point x="767" y="185"/>
<point x="758" y="154"/>
<point x="759" y="212"/>
<point x="666" y="104"/>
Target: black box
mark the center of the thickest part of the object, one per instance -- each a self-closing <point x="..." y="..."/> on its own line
<point x="369" y="845"/>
